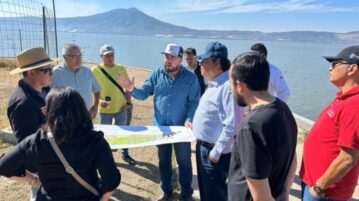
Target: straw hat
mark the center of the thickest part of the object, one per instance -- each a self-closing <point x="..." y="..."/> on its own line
<point x="32" y="58"/>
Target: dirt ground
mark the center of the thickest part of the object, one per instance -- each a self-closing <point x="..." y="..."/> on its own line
<point x="140" y="182"/>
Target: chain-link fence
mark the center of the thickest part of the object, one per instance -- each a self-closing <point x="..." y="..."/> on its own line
<point x="23" y="24"/>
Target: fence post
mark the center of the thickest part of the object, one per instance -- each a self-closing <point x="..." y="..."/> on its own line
<point x="20" y="39"/>
<point x="53" y="7"/>
<point x="44" y="28"/>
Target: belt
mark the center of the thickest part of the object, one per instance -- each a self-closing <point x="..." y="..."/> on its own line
<point x="206" y="144"/>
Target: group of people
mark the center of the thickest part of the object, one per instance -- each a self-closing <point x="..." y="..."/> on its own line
<point x="246" y="135"/>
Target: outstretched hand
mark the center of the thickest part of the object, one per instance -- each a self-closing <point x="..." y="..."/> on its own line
<point x="129" y="85"/>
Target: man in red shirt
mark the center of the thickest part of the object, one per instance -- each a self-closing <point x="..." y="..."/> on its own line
<point x="329" y="167"/>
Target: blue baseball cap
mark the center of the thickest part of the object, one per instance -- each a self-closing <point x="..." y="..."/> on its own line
<point x="214" y="49"/>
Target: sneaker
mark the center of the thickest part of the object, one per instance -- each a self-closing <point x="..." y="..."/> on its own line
<point x="164" y="197"/>
<point x="129" y="160"/>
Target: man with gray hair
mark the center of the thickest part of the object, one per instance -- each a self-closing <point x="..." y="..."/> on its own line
<point x="73" y="74"/>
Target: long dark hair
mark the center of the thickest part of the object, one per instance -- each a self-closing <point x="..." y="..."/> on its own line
<point x="66" y="114"/>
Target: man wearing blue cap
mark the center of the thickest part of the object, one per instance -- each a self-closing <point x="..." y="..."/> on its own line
<point x="214" y="124"/>
<point x="176" y="94"/>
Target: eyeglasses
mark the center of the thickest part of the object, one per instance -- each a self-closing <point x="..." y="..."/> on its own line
<point x="74" y="56"/>
<point x="45" y="70"/>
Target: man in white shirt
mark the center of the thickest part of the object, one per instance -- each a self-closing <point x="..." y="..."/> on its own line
<point x="277" y="84"/>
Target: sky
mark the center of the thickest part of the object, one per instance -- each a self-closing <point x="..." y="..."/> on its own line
<point x="244" y="15"/>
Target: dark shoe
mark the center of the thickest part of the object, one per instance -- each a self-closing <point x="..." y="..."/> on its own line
<point x="188" y="199"/>
<point x="164" y="197"/>
<point x="129" y="160"/>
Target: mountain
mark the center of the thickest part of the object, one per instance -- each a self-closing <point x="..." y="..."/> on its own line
<point x="122" y="21"/>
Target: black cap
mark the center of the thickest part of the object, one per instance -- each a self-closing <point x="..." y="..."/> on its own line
<point x="349" y="54"/>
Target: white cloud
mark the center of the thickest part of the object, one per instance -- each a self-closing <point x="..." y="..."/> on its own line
<point x="70" y="8"/>
<point x="205" y="5"/>
<point x="246" y="6"/>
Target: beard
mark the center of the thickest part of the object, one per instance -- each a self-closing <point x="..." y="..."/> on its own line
<point x="239" y="99"/>
<point x="171" y="69"/>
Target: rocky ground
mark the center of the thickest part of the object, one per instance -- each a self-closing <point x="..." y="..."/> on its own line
<point x="140" y="182"/>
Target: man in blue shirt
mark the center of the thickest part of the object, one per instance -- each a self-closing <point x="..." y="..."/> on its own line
<point x="176" y="94"/>
<point x="215" y="124"/>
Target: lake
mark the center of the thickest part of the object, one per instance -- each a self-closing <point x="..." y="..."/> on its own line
<point x="302" y="64"/>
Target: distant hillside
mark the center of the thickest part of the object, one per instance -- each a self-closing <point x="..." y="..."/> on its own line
<point x="134" y="22"/>
<point x="122" y="21"/>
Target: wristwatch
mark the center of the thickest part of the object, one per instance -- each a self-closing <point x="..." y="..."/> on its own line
<point x="318" y="190"/>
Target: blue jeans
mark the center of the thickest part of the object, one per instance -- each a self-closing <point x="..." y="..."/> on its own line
<point x="120" y="119"/>
<point x="212" y="177"/>
<point x="183" y="157"/>
<point x="307" y="196"/>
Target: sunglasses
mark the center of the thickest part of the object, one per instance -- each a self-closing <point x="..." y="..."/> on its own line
<point x="45" y="70"/>
<point x="336" y="64"/>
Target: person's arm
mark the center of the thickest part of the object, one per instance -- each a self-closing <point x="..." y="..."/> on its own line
<point x="105" y="164"/>
<point x="106" y="196"/>
<point x="94" y="108"/>
<point x="13" y="165"/>
<point x="284" y="196"/>
<point x="340" y="166"/>
<point x="259" y="189"/>
<point x="147" y="88"/>
<point x="96" y="89"/>
<point x="230" y="115"/>
<point x="30" y="178"/>
<point x="194" y="95"/>
<point x="25" y="120"/>
<point x="349" y="149"/>
<point x="281" y="87"/>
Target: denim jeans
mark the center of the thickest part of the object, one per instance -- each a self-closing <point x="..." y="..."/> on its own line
<point x="120" y="119"/>
<point x="212" y="177"/>
<point x="307" y="196"/>
<point x="183" y="157"/>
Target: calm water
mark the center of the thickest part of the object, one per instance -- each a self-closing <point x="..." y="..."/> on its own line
<point x="302" y="64"/>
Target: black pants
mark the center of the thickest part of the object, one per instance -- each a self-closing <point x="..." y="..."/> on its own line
<point x="212" y="178"/>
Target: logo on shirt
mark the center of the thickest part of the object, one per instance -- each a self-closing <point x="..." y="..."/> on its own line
<point x="331" y="113"/>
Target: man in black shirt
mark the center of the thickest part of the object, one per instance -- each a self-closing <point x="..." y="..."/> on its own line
<point x="193" y="65"/>
<point x="263" y="158"/>
<point x="25" y="103"/>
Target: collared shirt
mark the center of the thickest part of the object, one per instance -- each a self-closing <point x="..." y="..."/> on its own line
<point x="337" y="126"/>
<point x="175" y="100"/>
<point x="83" y="81"/>
<point x="217" y="117"/>
<point x="277" y="85"/>
<point x="24" y="110"/>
